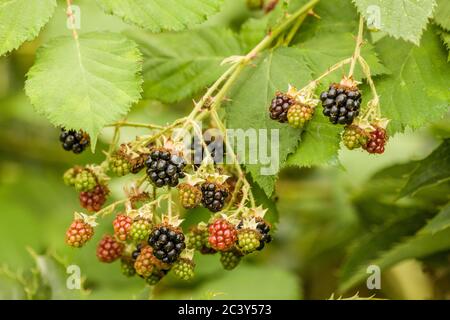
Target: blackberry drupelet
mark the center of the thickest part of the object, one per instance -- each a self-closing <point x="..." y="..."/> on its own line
<point x="214" y="196"/>
<point x="164" y="168"/>
<point x="341" y="103"/>
<point x="280" y="106"/>
<point x="75" y="141"/>
<point x="167" y="242"/>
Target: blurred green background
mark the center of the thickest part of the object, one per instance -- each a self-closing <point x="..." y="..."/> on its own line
<point x="332" y="219"/>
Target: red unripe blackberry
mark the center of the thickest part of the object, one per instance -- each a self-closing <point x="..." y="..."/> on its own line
<point x="93" y="200"/>
<point x="164" y="168"/>
<point x="167" y="242"/>
<point x="280" y="106"/>
<point x="122" y="224"/>
<point x="79" y="233"/>
<point x="376" y="141"/>
<point x="341" y="103"/>
<point x="75" y="141"/>
<point x="214" y="196"/>
<point x="109" y="249"/>
<point x="222" y="235"/>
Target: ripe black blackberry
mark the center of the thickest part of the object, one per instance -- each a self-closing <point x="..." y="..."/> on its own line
<point x="214" y="196"/>
<point x="167" y="243"/>
<point x="341" y="103"/>
<point x="136" y="252"/>
<point x="264" y="228"/>
<point x="280" y="106"/>
<point x="164" y="168"/>
<point x="75" y="141"/>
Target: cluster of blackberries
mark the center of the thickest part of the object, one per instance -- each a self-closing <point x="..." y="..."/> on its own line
<point x="164" y="168"/>
<point x="75" y="141"/>
<point x="280" y="106"/>
<point x="167" y="243"/>
<point x="341" y="104"/>
<point x="214" y="196"/>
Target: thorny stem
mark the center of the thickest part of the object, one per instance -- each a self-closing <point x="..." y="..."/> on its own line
<point x="294" y="29"/>
<point x="374" y="104"/>
<point x="359" y="43"/>
<point x="109" y="209"/>
<point x="136" y="125"/>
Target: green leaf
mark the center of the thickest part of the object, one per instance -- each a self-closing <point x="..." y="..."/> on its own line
<point x="273" y="71"/>
<point x="21" y="20"/>
<point x="417" y="91"/>
<point x="399" y="18"/>
<point x="440" y="222"/>
<point x="172" y="74"/>
<point x="442" y="14"/>
<point x="445" y="36"/>
<point x="160" y="15"/>
<point x="432" y="170"/>
<point x="419" y="246"/>
<point x="85" y="84"/>
<point x="370" y="247"/>
<point x="325" y="50"/>
<point x="319" y="144"/>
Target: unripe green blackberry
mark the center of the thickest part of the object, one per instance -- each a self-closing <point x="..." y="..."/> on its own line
<point x="230" y="259"/>
<point x="248" y="240"/>
<point x="127" y="267"/>
<point x="119" y="165"/>
<point x="85" y="181"/>
<point x="190" y="196"/>
<point x="197" y="239"/>
<point x="354" y="137"/>
<point x="184" y="269"/>
<point x="155" y="277"/>
<point x="69" y="177"/>
<point x="140" y="230"/>
<point x="299" y="114"/>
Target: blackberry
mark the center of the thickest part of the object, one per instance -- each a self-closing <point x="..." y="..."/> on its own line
<point x="93" y="200"/>
<point x="75" y="141"/>
<point x="190" y="196"/>
<point x="376" y="141"/>
<point x="167" y="242"/>
<point x="119" y="165"/>
<point x="198" y="239"/>
<point x="214" y="196"/>
<point x="222" y="235"/>
<point x="299" y="114"/>
<point x="354" y="137"/>
<point x="109" y="249"/>
<point x="79" y="233"/>
<point x="127" y="267"/>
<point x="341" y="103"/>
<point x="70" y="176"/>
<point x="230" y="259"/>
<point x="140" y="230"/>
<point x="155" y="277"/>
<point x="184" y="269"/>
<point x="136" y="252"/>
<point x="280" y="106"/>
<point x="248" y="240"/>
<point x="146" y="262"/>
<point x="263" y="228"/>
<point x="164" y="168"/>
<point x="85" y="180"/>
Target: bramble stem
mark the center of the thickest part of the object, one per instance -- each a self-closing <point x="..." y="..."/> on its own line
<point x="135" y="125"/>
<point x="359" y="43"/>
